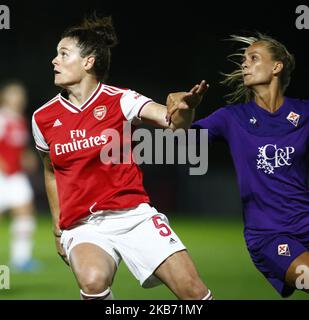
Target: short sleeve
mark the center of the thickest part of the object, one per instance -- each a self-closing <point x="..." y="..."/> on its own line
<point x="132" y="103"/>
<point x="215" y="123"/>
<point x="40" y="142"/>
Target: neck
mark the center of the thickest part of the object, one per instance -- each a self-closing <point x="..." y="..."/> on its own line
<point x="79" y="93"/>
<point x="269" y="98"/>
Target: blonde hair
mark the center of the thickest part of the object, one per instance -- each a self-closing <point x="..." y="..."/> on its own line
<point x="234" y="80"/>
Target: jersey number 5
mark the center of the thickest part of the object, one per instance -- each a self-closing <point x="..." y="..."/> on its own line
<point x="165" y="230"/>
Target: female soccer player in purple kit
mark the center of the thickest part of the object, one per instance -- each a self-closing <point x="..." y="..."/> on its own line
<point x="268" y="136"/>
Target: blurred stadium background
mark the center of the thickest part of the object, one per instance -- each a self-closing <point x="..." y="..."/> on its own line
<point x="160" y="50"/>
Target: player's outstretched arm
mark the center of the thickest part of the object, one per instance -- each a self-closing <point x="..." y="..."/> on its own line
<point x="179" y="111"/>
<point x="52" y="195"/>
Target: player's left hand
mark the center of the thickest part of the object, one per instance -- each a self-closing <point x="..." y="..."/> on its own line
<point x="185" y="100"/>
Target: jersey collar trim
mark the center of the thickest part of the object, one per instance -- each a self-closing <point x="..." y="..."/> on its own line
<point x="75" y="109"/>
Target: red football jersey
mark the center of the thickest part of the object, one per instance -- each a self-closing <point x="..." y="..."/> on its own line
<point x="74" y="137"/>
<point x="13" y="140"/>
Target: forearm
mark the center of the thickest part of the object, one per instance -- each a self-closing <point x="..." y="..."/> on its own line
<point x="182" y="119"/>
<point x="155" y="114"/>
<point x="52" y="195"/>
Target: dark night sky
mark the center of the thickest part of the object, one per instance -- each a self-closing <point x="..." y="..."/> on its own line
<point x="161" y="48"/>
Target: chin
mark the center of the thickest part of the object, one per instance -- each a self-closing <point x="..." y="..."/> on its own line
<point x="248" y="84"/>
<point x="59" y="83"/>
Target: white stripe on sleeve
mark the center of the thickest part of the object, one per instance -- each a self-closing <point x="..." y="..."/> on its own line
<point x="38" y="137"/>
<point x="131" y="102"/>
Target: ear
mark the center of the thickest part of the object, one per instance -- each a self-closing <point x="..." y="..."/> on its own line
<point x="89" y="62"/>
<point x="278" y="67"/>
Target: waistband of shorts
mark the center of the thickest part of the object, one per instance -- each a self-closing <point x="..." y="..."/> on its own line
<point x="110" y="214"/>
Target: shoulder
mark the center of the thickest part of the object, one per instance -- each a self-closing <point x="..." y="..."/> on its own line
<point x="239" y="108"/>
<point x="215" y="118"/>
<point x="123" y="93"/>
<point x="124" y="96"/>
<point x="231" y="109"/>
<point x="299" y="108"/>
<point x="300" y="105"/>
<point x="223" y="117"/>
<point x="240" y="113"/>
<point x="44" y="114"/>
<point x="113" y="91"/>
<point x="227" y="111"/>
<point x="46" y="107"/>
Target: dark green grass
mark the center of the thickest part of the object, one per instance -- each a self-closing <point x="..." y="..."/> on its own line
<point x="217" y="247"/>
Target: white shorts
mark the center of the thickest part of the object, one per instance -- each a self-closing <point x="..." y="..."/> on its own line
<point x="15" y="191"/>
<point x="140" y="236"/>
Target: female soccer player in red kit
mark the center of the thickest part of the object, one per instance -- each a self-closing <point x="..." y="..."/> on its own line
<point x="101" y="212"/>
<point x="16" y="194"/>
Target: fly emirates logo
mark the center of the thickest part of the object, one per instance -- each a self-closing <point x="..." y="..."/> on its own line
<point x="79" y="142"/>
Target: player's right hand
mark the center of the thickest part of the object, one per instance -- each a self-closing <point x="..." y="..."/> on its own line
<point x="185" y="100"/>
<point x="60" y="250"/>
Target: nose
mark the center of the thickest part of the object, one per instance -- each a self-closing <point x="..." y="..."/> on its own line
<point x="244" y="65"/>
<point x="55" y="61"/>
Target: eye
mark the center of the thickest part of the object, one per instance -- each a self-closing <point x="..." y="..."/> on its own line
<point x="63" y="54"/>
<point x="254" y="57"/>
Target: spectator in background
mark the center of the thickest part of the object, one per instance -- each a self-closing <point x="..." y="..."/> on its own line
<point x="16" y="194"/>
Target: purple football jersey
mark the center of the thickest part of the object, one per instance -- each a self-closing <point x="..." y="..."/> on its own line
<point x="269" y="151"/>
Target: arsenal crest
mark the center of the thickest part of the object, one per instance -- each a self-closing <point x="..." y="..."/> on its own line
<point x="99" y="112"/>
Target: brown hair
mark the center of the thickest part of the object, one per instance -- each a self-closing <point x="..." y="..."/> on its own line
<point x="95" y="36"/>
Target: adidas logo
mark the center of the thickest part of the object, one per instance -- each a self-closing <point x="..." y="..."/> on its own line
<point x="172" y="241"/>
<point x="57" y="123"/>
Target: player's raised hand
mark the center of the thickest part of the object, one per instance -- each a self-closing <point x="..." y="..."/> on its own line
<point x="185" y="100"/>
